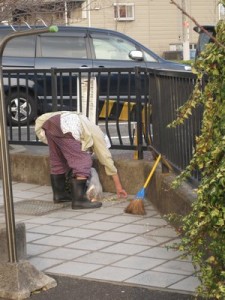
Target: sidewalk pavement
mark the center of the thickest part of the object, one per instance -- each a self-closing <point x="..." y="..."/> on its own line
<point x="99" y="247"/>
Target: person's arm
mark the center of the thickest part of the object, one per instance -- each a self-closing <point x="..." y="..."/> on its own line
<point x="121" y="193"/>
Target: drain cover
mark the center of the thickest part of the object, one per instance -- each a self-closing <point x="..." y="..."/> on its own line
<point x="36" y="207"/>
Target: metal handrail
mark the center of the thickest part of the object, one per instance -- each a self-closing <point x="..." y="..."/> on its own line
<point x="6" y="174"/>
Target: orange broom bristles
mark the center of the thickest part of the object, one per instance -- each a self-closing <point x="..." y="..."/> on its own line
<point x="136" y="207"/>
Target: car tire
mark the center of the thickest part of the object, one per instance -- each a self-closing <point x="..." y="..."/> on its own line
<point x="20" y="108"/>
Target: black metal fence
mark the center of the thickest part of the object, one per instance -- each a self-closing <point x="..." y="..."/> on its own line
<point x="133" y="106"/>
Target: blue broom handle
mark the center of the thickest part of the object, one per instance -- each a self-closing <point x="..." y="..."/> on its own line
<point x="152" y="171"/>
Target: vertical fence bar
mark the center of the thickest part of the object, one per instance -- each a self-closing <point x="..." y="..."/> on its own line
<point x="139" y="113"/>
<point x="54" y="88"/>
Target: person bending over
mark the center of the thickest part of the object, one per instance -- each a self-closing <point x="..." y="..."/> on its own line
<point x="72" y="138"/>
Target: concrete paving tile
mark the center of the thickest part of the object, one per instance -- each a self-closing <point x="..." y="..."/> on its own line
<point x="160" y="252"/>
<point x="155" y="279"/>
<point x="33" y="236"/>
<point x="54" y="240"/>
<point x="134" y="228"/>
<point x="42" y="220"/>
<point x="152" y="222"/>
<point x="187" y="284"/>
<point x="73" y="268"/>
<point x="122" y="248"/>
<point x="140" y="263"/>
<point x="163" y="231"/>
<point x="93" y="217"/>
<point x="89" y="244"/>
<point x="149" y="208"/>
<point x="42" y="189"/>
<point x="64" y="253"/>
<point x="114" y="236"/>
<point x="64" y="214"/>
<point x="22" y="186"/>
<point x="172" y="242"/>
<point x="101" y="225"/>
<point x="71" y="222"/>
<point x="41" y="263"/>
<point x="112" y="210"/>
<point x="47" y="229"/>
<point x="27" y="194"/>
<point x="124" y="219"/>
<point x="152" y="213"/>
<point x="22" y="218"/>
<point x="148" y="240"/>
<point x="80" y="232"/>
<point x="123" y="204"/>
<point x="33" y="249"/>
<point x="100" y="258"/>
<point x="176" y="267"/>
<point x="112" y="274"/>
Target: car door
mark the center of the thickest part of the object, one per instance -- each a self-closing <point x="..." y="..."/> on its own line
<point x="112" y="51"/>
<point x="69" y="48"/>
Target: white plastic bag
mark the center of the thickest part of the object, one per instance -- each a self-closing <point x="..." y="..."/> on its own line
<point x="94" y="189"/>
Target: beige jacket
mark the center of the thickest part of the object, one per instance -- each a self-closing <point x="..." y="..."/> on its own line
<point x="91" y="137"/>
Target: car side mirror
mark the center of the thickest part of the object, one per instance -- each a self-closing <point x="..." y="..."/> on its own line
<point x="136" y="55"/>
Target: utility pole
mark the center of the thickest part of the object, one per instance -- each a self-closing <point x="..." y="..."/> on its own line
<point x="185" y="26"/>
<point x="88" y="7"/>
<point x="66" y="13"/>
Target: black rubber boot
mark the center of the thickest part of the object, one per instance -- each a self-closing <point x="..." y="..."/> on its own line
<point x="79" y="199"/>
<point x="59" y="188"/>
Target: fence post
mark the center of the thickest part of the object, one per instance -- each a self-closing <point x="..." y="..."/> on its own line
<point x="138" y="113"/>
<point x="54" y="88"/>
<point x="157" y="122"/>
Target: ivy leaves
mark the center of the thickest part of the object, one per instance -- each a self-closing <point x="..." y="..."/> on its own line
<point x="203" y="229"/>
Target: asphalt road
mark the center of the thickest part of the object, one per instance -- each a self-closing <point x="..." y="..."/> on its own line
<point x="79" y="289"/>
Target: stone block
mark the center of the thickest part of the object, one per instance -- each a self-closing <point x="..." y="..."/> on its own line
<point x="20" y="242"/>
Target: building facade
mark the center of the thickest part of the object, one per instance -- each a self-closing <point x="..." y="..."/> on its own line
<point x="157" y="24"/>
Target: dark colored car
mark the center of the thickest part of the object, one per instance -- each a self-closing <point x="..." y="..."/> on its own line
<point x="71" y="47"/>
<point x="203" y="38"/>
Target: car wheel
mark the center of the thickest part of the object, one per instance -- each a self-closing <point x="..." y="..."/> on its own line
<point x="20" y="108"/>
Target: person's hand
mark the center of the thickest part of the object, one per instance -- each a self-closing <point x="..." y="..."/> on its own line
<point x="121" y="193"/>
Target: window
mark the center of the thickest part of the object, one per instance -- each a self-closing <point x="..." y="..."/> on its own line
<point x="20" y="47"/>
<point x="148" y="57"/>
<point x="124" y="11"/>
<point x="67" y="47"/>
<point x="112" y="47"/>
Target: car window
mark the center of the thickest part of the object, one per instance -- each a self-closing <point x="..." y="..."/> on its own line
<point x="148" y="57"/>
<point x="112" y="47"/>
<point x="20" y="47"/>
<point x="67" y="47"/>
<point x="204" y="39"/>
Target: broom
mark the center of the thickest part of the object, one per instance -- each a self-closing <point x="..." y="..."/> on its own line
<point x="136" y="206"/>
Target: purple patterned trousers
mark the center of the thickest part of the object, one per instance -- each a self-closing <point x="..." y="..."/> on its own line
<point x="65" y="152"/>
